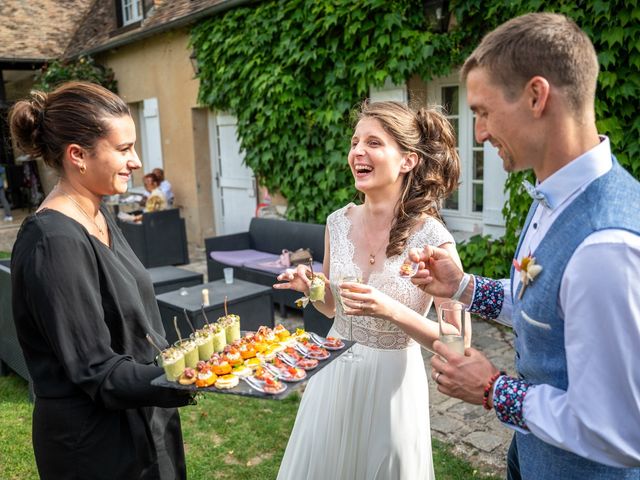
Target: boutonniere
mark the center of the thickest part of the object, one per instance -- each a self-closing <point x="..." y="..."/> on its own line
<point x="528" y="269"/>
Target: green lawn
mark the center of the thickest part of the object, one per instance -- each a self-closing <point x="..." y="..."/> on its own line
<point x="226" y="437"/>
<point x="4" y="254"/>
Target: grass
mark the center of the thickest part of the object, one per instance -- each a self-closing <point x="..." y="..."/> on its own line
<point x="5" y="254"/>
<point x="225" y="437"/>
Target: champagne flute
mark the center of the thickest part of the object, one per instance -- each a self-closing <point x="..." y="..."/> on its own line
<point x="349" y="356"/>
<point x="451" y="321"/>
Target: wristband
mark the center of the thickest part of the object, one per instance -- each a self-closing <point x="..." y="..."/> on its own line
<point x="487" y="389"/>
<point x="466" y="278"/>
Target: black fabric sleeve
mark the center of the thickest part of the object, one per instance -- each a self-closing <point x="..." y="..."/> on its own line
<point x="64" y="295"/>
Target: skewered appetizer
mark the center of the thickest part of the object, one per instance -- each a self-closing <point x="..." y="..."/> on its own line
<point x="173" y="362"/>
<point x="204" y="340"/>
<point x="316" y="289"/>
<point x="219" y="336"/>
<point x="190" y="350"/>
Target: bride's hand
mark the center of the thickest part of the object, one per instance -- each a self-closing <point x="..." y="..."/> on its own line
<point x="295" y="279"/>
<point x="365" y="300"/>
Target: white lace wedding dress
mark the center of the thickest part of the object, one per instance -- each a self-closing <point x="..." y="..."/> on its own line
<point x="367" y="420"/>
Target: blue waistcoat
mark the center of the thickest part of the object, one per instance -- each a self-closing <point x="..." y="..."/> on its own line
<point x="609" y="202"/>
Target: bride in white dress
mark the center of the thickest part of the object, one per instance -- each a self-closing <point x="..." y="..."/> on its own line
<point x="370" y="419"/>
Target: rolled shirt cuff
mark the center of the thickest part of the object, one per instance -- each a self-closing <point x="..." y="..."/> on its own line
<point x="508" y="400"/>
<point x="488" y="297"/>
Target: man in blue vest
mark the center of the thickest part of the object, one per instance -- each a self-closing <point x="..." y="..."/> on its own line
<point x="574" y="294"/>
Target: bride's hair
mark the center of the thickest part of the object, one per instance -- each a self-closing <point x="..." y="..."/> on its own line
<point x="428" y="133"/>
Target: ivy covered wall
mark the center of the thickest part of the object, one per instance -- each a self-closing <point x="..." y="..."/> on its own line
<point x="293" y="70"/>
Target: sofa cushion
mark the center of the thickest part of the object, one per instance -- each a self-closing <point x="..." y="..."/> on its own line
<point x="237" y="258"/>
<point x="274" y="266"/>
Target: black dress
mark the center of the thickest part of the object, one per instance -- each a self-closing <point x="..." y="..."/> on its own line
<point x="82" y="311"/>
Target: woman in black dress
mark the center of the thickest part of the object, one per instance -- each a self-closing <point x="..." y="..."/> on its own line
<point x="83" y="303"/>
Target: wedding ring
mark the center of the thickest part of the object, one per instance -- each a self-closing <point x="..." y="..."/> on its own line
<point x="438" y="377"/>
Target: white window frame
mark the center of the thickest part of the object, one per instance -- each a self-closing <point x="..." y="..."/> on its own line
<point x="464" y="218"/>
<point x="389" y="92"/>
<point x="131" y="11"/>
<point x="489" y="220"/>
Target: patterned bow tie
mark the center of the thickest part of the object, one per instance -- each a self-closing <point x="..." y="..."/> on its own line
<point x="536" y="194"/>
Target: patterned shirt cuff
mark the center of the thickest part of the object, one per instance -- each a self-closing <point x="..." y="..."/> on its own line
<point x="488" y="297"/>
<point x="508" y="400"/>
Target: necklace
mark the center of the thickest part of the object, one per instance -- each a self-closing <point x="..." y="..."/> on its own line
<point x="372" y="256"/>
<point x="82" y="210"/>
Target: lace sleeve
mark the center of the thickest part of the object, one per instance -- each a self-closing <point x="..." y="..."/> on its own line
<point x="434" y="233"/>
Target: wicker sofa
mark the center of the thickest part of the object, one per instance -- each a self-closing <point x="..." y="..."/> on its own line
<point x="254" y="256"/>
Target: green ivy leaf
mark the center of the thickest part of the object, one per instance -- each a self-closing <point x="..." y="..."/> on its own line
<point x="291" y="71"/>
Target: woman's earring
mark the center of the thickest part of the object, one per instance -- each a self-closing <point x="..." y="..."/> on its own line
<point x="83" y="169"/>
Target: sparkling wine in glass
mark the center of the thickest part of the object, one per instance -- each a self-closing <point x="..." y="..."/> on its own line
<point x="349" y="355"/>
<point x="451" y="321"/>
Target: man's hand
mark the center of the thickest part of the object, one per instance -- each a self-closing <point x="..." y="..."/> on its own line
<point x="461" y="376"/>
<point x="438" y="273"/>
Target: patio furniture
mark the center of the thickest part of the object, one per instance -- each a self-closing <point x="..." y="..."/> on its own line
<point x="252" y="302"/>
<point x="169" y="278"/>
<point x="159" y="240"/>
<point x="254" y="256"/>
<point x="11" y="356"/>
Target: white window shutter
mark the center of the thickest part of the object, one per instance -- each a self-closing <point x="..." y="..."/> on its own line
<point x="151" y="136"/>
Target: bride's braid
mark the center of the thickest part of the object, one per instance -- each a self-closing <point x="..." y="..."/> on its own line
<point x="429" y="134"/>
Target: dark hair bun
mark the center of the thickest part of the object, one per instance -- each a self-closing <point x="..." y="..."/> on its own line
<point x="26" y="120"/>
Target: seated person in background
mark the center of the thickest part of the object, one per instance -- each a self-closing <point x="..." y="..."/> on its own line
<point x="165" y="186"/>
<point x="156" y="200"/>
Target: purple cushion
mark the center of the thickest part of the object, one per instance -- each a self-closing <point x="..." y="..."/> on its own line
<point x="237" y="258"/>
<point x="274" y="266"/>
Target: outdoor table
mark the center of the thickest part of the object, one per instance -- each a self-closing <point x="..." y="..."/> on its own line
<point x="250" y="301"/>
<point x="169" y="278"/>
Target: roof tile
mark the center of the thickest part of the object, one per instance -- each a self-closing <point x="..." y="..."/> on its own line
<point x="39" y="30"/>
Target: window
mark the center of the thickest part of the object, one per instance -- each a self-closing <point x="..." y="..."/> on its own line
<point x="131" y="11"/>
<point x="464" y="208"/>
